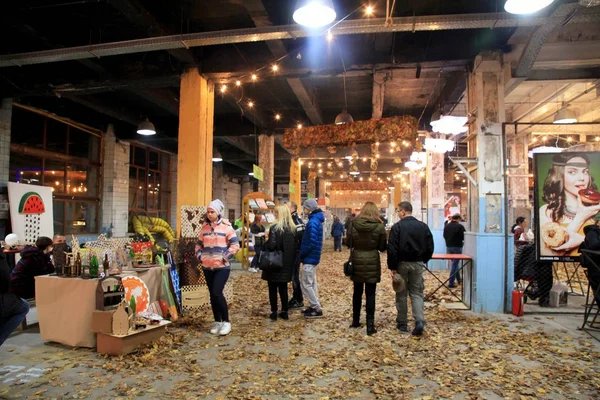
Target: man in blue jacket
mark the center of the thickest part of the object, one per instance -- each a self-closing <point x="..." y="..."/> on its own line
<point x="310" y="256"/>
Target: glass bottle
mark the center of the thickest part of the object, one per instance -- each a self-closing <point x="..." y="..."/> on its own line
<point x="77" y="268"/>
<point x="105" y="265"/>
<point x="94" y="266"/>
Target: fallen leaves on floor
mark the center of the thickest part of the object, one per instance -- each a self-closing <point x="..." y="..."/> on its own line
<point x="461" y="354"/>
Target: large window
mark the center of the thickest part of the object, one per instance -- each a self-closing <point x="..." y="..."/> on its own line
<point x="149" y="182"/>
<point x="51" y="152"/>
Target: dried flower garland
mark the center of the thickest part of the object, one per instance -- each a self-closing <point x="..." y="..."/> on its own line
<point x="373" y="130"/>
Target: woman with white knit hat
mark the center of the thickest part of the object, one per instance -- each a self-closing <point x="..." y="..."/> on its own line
<point x="216" y="245"/>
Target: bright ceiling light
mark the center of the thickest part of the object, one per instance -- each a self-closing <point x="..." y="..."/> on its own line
<point x="146" y="128"/>
<point x="544" y="149"/>
<point x="526" y="7"/>
<point x="217" y="157"/>
<point x="439" y="145"/>
<point x="314" y="13"/>
<point x="354" y="173"/>
<point x="565" y="116"/>
<point x="344" y="118"/>
<point x="450" y="125"/>
<point x="369" y="10"/>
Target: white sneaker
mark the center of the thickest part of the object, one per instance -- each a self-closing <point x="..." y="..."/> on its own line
<point x="216" y="328"/>
<point x="225" y="328"/>
<point x="252" y="270"/>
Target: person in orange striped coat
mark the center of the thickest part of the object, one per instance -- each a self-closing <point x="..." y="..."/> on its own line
<point x="216" y="246"/>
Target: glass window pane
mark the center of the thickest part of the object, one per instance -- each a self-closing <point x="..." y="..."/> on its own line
<point x="164" y="162"/>
<point x="81" y="216"/>
<point x="27" y="128"/>
<point x="56" y="136"/>
<point x="133" y="176"/>
<point x="164" y="201"/>
<point x="59" y="217"/>
<point x="82" y="180"/>
<point x="164" y="215"/>
<point x="164" y="181"/>
<point x="54" y="176"/>
<point x="153" y="161"/>
<point x="83" y="144"/>
<point x="141" y="201"/>
<point x="25" y="169"/>
<point x="139" y="157"/>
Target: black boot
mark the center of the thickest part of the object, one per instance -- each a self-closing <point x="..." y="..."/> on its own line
<point x="355" y="324"/>
<point x="371" y="327"/>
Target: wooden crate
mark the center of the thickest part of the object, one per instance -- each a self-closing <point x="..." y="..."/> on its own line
<point x="116" y="345"/>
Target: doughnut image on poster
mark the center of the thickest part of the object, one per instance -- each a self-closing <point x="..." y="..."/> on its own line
<point x="566" y="201"/>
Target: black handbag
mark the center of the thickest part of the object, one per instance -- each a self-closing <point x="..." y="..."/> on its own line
<point x="349" y="267"/>
<point x="270" y="260"/>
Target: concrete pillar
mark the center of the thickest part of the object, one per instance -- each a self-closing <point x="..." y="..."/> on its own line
<point x="322" y="189"/>
<point x="196" y="117"/>
<point x="487" y="244"/>
<point x="311" y="187"/>
<point x="518" y="179"/>
<point x="266" y="160"/>
<point x="5" y="126"/>
<point x="218" y="183"/>
<point x="115" y="188"/>
<point x="296" y="182"/>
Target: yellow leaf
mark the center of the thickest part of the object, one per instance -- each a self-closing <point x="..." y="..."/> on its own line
<point x="541" y="391"/>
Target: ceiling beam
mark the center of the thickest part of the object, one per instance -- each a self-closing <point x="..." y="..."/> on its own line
<point x="540" y="97"/>
<point x="138" y="15"/>
<point x="260" y="17"/>
<point x="291" y="32"/>
<point x="105" y="109"/>
<point x="111" y="85"/>
<point x="237" y="142"/>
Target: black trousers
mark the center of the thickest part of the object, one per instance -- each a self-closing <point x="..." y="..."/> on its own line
<point x="216" y="280"/>
<point x="370" y="289"/>
<point x="283" y="293"/>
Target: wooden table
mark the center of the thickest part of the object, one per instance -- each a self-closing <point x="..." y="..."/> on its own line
<point x="466" y="268"/>
<point x="65" y="306"/>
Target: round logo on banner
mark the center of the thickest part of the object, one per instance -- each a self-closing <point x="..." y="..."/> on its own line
<point x="136" y="287"/>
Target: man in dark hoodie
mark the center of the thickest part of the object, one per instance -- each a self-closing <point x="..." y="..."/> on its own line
<point x="310" y="256"/>
<point x="410" y="247"/>
<point x="297" y="300"/>
<point x="592" y="242"/>
<point x="35" y="260"/>
<point x="12" y="308"/>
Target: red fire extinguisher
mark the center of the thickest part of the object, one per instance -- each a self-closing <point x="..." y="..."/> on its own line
<point x="518" y="301"/>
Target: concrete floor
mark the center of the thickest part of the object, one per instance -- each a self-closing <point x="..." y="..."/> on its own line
<point x="462" y="355"/>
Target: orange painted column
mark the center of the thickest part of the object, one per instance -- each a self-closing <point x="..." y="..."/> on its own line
<point x="295" y="182"/>
<point x="196" y="117"/>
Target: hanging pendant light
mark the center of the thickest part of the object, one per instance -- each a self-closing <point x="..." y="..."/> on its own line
<point x="565" y="116"/>
<point x="526" y="7"/>
<point x="217" y="157"/>
<point x="344" y="118"/>
<point x="146" y="128"/>
<point x="314" y="13"/>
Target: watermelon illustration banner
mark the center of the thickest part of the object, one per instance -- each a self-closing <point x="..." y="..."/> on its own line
<point x="31" y="211"/>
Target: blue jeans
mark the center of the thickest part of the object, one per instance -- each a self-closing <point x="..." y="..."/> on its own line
<point x="337" y="243"/>
<point x="454" y="270"/>
<point x="9" y="324"/>
<point x="216" y="280"/>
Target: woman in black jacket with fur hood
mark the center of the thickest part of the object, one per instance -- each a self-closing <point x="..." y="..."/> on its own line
<point x="282" y="236"/>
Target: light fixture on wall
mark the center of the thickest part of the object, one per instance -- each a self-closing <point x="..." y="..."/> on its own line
<point x="146" y="128"/>
<point x="217" y="157"/>
<point x="314" y="13"/>
<point x="565" y="116"/>
<point x="526" y="7"/>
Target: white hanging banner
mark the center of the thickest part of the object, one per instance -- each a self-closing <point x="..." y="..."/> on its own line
<point x="415" y="193"/>
<point x="435" y="179"/>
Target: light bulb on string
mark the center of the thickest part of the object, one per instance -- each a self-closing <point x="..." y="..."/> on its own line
<point x="299" y="126"/>
<point x="277" y="117"/>
<point x="238" y="83"/>
<point x="275" y="68"/>
<point x="254" y="77"/>
<point x="223" y="88"/>
<point x="250" y="104"/>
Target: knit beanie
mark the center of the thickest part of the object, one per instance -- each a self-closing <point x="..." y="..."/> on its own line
<point x="217" y="205"/>
<point x="311" y="205"/>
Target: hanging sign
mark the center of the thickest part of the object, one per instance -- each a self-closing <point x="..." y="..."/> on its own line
<point x="258" y="172"/>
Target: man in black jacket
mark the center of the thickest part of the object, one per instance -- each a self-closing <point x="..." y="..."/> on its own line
<point x="297" y="301"/>
<point x="410" y="246"/>
<point x="454" y="235"/>
<point x="592" y="242"/>
<point x="13" y="309"/>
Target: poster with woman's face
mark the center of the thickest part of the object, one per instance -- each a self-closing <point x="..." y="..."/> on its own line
<point x="566" y="201"/>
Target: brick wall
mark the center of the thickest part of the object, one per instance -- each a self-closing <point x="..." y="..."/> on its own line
<point x="233" y="198"/>
<point x="5" y="122"/>
<point x="115" y="191"/>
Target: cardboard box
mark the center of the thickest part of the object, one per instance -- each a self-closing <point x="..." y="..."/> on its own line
<point x="102" y="321"/>
<point x="119" y="345"/>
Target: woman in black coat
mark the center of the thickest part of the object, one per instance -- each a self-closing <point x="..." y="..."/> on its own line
<point x="282" y="236"/>
<point x="366" y="239"/>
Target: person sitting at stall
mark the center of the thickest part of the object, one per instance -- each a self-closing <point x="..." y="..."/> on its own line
<point x="13" y="309"/>
<point x="35" y="260"/>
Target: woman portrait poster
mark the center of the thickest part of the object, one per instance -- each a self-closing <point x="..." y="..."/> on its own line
<point x="566" y="201"/>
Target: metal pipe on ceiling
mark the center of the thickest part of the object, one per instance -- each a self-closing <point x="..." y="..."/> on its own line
<point x="347" y="27"/>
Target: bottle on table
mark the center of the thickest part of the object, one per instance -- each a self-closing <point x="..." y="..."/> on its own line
<point x="78" y="265"/>
<point x="105" y="265"/>
<point x="94" y="266"/>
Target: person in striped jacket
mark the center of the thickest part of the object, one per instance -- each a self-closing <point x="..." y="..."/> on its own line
<point x="216" y="246"/>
